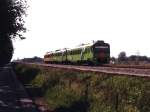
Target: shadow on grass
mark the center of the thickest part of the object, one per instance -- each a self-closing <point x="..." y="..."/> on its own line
<point x="77" y="106"/>
<point x="34" y="91"/>
<point x="27" y="75"/>
<point x="81" y="105"/>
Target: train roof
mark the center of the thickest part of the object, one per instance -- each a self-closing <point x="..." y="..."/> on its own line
<point x="81" y="46"/>
<point x="57" y="51"/>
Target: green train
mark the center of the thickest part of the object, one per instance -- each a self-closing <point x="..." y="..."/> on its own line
<point x="92" y="54"/>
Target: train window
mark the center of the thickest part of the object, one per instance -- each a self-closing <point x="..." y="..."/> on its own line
<point x="47" y="56"/>
<point x="79" y="51"/>
<point x="59" y="54"/>
<point x="87" y="50"/>
<point x="76" y="51"/>
<point x="69" y="52"/>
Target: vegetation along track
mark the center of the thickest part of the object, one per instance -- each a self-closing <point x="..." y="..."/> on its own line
<point x="111" y="70"/>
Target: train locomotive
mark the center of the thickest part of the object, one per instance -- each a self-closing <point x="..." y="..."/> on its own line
<point x="92" y="54"/>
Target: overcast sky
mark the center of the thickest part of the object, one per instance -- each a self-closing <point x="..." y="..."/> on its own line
<point x="54" y="24"/>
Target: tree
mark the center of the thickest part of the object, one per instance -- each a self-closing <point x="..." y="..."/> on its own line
<point x="122" y="56"/>
<point x="6" y="51"/>
<point x="112" y="60"/>
<point x="11" y="26"/>
<point x="11" y="21"/>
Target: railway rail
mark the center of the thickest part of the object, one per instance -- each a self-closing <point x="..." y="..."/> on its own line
<point x="128" y="66"/>
<point x="139" y="71"/>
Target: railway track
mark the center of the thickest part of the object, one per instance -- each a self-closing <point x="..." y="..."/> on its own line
<point x="139" y="71"/>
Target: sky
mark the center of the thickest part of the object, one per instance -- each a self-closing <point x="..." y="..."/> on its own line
<point x="55" y="24"/>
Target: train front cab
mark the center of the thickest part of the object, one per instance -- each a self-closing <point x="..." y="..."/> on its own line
<point x="101" y="52"/>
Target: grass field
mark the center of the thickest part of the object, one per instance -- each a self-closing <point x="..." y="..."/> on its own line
<point x="72" y="91"/>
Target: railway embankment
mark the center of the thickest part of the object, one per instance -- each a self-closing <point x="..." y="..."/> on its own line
<point x="13" y="97"/>
<point x="64" y="90"/>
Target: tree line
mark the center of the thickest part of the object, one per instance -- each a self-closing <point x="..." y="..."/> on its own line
<point x="132" y="59"/>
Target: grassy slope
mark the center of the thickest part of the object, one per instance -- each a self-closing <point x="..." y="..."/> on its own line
<point x="70" y="91"/>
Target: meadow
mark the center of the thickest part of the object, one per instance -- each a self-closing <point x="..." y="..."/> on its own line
<point x="74" y="91"/>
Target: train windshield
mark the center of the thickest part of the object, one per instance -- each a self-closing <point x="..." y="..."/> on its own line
<point x="104" y="49"/>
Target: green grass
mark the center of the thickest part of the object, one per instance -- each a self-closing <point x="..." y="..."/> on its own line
<point x="72" y="91"/>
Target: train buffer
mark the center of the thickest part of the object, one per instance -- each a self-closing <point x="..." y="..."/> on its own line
<point x="13" y="97"/>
